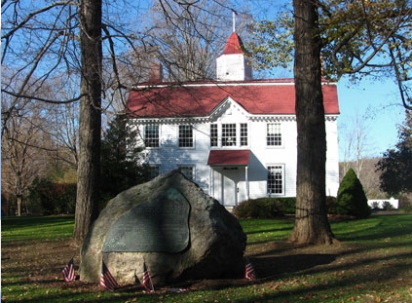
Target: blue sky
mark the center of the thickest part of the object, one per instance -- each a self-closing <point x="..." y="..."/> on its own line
<point x="379" y="106"/>
<point x="376" y="103"/>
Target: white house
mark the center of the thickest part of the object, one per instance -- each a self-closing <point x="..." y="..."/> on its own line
<point x="235" y="137"/>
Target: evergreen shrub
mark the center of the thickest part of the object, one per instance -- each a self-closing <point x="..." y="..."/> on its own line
<point x="351" y="200"/>
<point x="331" y="205"/>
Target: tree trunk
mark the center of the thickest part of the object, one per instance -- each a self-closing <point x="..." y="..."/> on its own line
<point x="311" y="223"/>
<point x="88" y="170"/>
<point x="19" y="199"/>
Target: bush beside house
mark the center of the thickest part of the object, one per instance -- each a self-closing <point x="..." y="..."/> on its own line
<point x="270" y="208"/>
<point x="351" y="199"/>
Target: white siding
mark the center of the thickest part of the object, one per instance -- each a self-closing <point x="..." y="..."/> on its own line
<point x="332" y="158"/>
<point x="169" y="156"/>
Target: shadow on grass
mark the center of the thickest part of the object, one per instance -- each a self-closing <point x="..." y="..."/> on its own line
<point x="271" y="267"/>
<point x="380" y="256"/>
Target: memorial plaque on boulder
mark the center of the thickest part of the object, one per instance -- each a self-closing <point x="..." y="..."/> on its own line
<point x="158" y="225"/>
<point x="169" y="224"/>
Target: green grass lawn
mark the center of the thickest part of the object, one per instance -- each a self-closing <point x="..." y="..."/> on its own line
<point x="372" y="263"/>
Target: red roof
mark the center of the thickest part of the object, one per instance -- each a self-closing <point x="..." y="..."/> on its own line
<point x="229" y="157"/>
<point x="234" y="45"/>
<point x="264" y="97"/>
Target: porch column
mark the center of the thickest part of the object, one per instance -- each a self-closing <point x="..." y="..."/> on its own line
<point x="211" y="182"/>
<point x="222" y="190"/>
<point x="247" y="181"/>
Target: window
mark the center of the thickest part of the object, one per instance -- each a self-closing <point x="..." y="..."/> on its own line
<point x="243" y="134"/>
<point x="153" y="171"/>
<point x="213" y="135"/>
<point x="275" y="180"/>
<point x="185" y="136"/>
<point x="151" y="136"/>
<point x="274" y="134"/>
<point x="187" y="171"/>
<point x="229" y="134"/>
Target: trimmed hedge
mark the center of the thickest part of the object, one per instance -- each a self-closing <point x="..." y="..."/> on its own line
<point x="265" y="208"/>
<point x="270" y="208"/>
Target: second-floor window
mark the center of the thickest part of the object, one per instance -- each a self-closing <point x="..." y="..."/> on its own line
<point x="243" y="134"/>
<point x="274" y="134"/>
<point x="151" y="135"/>
<point x="185" y="136"/>
<point x="229" y="134"/>
<point x="213" y="135"/>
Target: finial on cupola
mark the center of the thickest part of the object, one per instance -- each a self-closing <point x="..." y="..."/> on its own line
<point x="234" y="14"/>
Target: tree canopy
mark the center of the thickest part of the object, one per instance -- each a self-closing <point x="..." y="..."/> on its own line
<point x="358" y="38"/>
<point x="396" y="164"/>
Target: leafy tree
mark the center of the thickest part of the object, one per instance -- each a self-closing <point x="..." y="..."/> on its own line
<point x="355" y="38"/>
<point x="119" y="159"/>
<point x="396" y="164"/>
<point x="351" y="198"/>
<point x="311" y="223"/>
<point x="271" y="42"/>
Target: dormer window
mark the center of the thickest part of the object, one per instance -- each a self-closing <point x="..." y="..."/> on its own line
<point x="229" y="134"/>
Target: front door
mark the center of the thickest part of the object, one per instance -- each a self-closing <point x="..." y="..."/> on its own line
<point x="226" y="184"/>
<point x="229" y="190"/>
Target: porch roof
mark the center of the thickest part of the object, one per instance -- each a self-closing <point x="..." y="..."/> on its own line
<point x="229" y="157"/>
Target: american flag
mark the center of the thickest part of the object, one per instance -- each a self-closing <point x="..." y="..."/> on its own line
<point x="106" y="279"/>
<point x="147" y="280"/>
<point x="68" y="271"/>
<point x="250" y="271"/>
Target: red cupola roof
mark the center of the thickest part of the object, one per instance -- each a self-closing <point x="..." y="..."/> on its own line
<point x="234" y="45"/>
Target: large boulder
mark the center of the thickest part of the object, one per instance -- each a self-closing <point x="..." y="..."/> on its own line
<point x="169" y="224"/>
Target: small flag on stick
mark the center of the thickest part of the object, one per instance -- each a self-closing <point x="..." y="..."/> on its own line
<point x="147" y="280"/>
<point x="68" y="272"/>
<point x="106" y="279"/>
<point x="250" y="271"/>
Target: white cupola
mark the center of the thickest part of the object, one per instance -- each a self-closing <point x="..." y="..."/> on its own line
<point x="233" y="64"/>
